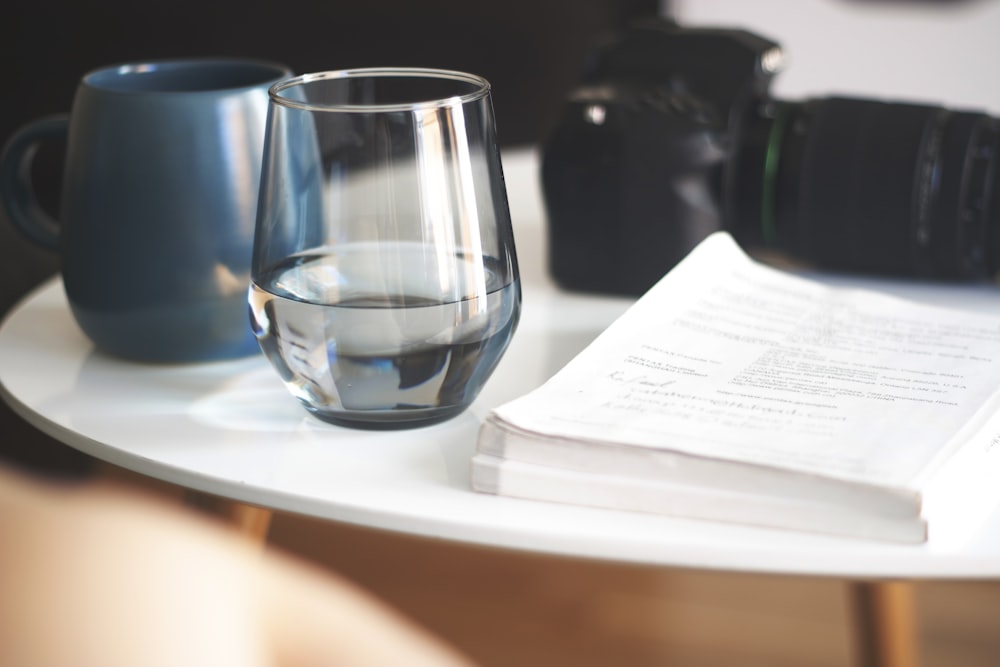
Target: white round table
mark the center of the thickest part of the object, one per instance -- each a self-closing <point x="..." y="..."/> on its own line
<point x="230" y="429"/>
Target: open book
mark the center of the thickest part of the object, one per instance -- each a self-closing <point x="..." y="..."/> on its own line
<point x="733" y="391"/>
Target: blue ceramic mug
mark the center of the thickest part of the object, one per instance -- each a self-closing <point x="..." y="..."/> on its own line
<point x="159" y="194"/>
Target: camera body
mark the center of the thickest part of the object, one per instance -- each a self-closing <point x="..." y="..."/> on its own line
<point x="633" y="173"/>
<point x="672" y="135"/>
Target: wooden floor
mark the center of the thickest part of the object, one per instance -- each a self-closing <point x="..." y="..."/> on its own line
<point x="513" y="609"/>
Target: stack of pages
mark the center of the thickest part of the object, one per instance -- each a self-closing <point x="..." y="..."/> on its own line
<point x="735" y="392"/>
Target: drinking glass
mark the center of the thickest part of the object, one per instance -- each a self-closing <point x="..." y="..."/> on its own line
<point x="385" y="285"/>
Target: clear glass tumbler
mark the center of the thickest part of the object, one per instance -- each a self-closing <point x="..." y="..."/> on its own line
<point x="385" y="286"/>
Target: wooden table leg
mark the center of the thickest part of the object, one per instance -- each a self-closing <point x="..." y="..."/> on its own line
<point x="885" y="627"/>
<point x="250" y="520"/>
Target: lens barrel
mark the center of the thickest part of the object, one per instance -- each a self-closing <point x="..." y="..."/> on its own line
<point x="863" y="185"/>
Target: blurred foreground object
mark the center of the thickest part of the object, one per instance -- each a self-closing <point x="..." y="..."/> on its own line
<point x="93" y="576"/>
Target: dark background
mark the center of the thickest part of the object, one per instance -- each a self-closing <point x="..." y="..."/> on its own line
<point x="531" y="51"/>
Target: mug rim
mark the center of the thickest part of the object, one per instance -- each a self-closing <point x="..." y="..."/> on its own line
<point x="103" y="78"/>
<point x="481" y="90"/>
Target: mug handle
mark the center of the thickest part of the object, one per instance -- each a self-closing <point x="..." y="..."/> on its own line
<point x="17" y="193"/>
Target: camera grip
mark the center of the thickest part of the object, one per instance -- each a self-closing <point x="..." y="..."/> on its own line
<point x="17" y="192"/>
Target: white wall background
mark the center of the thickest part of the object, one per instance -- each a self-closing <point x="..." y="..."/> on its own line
<point x="945" y="53"/>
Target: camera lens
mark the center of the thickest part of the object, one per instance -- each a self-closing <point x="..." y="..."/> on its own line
<point x="871" y="186"/>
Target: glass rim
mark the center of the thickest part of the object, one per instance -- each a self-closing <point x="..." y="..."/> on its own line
<point x="481" y="91"/>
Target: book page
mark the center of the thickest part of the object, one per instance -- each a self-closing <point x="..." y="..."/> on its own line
<point x="731" y="359"/>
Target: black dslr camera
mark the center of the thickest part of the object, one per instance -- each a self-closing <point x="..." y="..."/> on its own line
<point x="672" y="135"/>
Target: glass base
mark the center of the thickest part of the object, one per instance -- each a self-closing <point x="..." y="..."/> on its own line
<point x="387" y="420"/>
